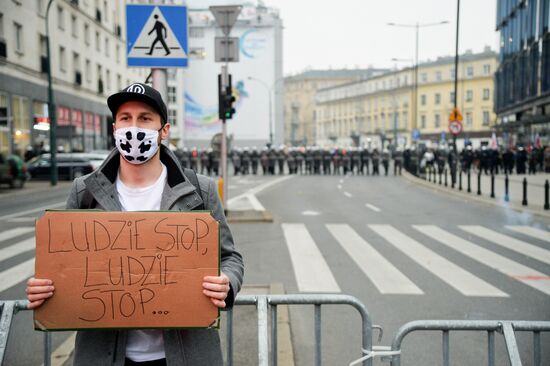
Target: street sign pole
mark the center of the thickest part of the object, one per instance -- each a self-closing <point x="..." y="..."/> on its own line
<point x="225" y="16"/>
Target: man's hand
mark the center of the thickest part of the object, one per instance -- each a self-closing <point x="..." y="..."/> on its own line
<point x="38" y="290"/>
<point x="216" y="288"/>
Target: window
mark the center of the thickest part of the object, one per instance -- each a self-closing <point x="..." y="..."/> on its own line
<point x="106" y="46"/>
<point x="76" y="62"/>
<point x="118" y="82"/>
<point x="88" y="71"/>
<point x="21" y="120"/>
<point x="60" y="18"/>
<point x="485" y="118"/>
<point x="469" y="95"/>
<point x="107" y="80"/>
<point x="106" y="11"/>
<point x="437" y="98"/>
<point x="423" y="99"/>
<point x="171" y="94"/>
<point x="470" y="71"/>
<point x="1" y="25"/>
<point x="196" y="32"/>
<point x="62" y="60"/>
<point x="486" y="69"/>
<point x="405" y="118"/>
<point x="18" y="33"/>
<point x="469" y="119"/>
<point x="117" y="55"/>
<point x="172" y="116"/>
<point x="424" y="77"/>
<point x="452" y="97"/>
<point x="486" y="94"/>
<point x="422" y="121"/>
<point x="40" y="7"/>
<point x="438" y="76"/>
<point x="437" y="120"/>
<point x="452" y="74"/>
<point x="97" y="42"/>
<point x="74" y="26"/>
<point x="87" y="33"/>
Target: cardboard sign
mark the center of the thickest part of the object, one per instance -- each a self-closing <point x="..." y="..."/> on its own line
<point x="126" y="269"/>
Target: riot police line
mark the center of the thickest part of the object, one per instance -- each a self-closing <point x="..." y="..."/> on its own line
<point x="304" y="160"/>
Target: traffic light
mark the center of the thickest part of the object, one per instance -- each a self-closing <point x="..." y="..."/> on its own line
<point x="225" y="99"/>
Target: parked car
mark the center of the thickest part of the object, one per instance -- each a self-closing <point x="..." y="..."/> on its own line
<point x="13" y="171"/>
<point x="69" y="166"/>
<point x="97" y="157"/>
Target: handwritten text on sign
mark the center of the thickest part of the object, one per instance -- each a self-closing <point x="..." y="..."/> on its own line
<point x="126" y="269"/>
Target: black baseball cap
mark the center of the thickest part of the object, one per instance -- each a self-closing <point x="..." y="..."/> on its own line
<point x="141" y="93"/>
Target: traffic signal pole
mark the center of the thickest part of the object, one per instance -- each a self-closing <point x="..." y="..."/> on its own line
<point x="224" y="81"/>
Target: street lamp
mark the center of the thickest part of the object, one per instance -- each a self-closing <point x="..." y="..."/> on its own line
<point x="51" y="105"/>
<point x="416" y="26"/>
<point x="269" y="92"/>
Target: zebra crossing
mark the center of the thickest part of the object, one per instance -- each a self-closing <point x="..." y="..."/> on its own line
<point x="496" y="249"/>
<point x="387" y="277"/>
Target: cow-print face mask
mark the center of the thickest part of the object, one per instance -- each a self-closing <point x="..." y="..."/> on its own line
<point x="136" y="145"/>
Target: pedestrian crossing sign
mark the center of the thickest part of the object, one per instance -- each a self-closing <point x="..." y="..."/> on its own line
<point x="156" y="35"/>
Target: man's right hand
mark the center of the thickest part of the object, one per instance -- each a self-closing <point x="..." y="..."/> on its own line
<point x="38" y="290"/>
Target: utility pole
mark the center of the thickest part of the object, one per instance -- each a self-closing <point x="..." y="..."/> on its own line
<point x="51" y="105"/>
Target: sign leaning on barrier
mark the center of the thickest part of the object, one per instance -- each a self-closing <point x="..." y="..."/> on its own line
<point x="126" y="269"/>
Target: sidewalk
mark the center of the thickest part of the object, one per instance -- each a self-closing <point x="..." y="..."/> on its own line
<point x="33" y="186"/>
<point x="535" y="190"/>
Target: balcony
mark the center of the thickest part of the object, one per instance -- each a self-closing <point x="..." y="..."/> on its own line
<point x="98" y="15"/>
<point x="78" y="78"/>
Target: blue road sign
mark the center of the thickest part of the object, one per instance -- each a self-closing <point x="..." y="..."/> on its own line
<point x="443" y="136"/>
<point x="156" y="36"/>
<point x="416" y="134"/>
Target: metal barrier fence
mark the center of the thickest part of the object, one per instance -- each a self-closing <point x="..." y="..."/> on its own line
<point x="263" y="301"/>
<point x="507" y="328"/>
<point x="393" y="354"/>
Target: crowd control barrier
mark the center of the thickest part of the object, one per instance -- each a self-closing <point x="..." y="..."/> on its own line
<point x="392" y="353"/>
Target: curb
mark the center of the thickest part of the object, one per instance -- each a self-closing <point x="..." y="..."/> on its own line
<point x="472" y="197"/>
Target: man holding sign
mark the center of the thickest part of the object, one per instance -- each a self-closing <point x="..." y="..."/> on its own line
<point x="141" y="174"/>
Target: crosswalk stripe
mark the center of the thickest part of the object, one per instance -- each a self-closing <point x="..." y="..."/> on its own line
<point x="12" y="233"/>
<point x="310" y="268"/>
<point x="531" y="231"/>
<point x="460" y="279"/>
<point x="386" y="278"/>
<point x="373" y="207"/>
<point x="502" y="264"/>
<point x="16" y="249"/>
<point x="508" y="242"/>
<point x="16" y="274"/>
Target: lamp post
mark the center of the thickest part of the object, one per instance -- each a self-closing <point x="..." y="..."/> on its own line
<point x="416" y="26"/>
<point x="51" y="105"/>
<point x="269" y="92"/>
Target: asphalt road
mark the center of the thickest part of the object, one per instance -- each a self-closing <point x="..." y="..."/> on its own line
<point x="404" y="251"/>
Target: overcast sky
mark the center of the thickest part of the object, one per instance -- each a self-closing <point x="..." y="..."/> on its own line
<point x="348" y="33"/>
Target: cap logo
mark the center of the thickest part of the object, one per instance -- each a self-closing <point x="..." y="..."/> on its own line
<point x="136" y="88"/>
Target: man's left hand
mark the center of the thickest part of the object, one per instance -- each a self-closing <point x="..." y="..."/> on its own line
<point x="216" y="288"/>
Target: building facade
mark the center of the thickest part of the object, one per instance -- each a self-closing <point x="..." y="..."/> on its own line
<point x="379" y="110"/>
<point x="300" y="91"/>
<point x="523" y="77"/>
<point x="256" y="77"/>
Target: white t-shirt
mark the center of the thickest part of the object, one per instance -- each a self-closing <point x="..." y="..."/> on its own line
<point x="143" y="345"/>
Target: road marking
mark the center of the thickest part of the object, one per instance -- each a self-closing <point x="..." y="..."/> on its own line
<point x="502" y="264"/>
<point x="386" y="278"/>
<point x="531" y="231"/>
<point x="22" y="219"/>
<point x="258" y="189"/>
<point x="16" y="249"/>
<point x="43" y="208"/>
<point x="255" y="203"/>
<point x="310" y="268"/>
<point x="12" y="233"/>
<point x="460" y="279"/>
<point x="341" y="181"/>
<point x="310" y="213"/>
<point x="508" y="242"/>
<point x="347" y="194"/>
<point x="16" y="274"/>
<point x="373" y="207"/>
<point x="339" y="186"/>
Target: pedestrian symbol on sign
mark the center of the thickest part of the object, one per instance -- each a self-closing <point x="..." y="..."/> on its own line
<point x="159" y="27"/>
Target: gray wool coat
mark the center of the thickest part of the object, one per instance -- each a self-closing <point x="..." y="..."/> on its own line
<point x="183" y="347"/>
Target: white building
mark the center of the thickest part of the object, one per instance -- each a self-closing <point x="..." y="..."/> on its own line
<point x="256" y="78"/>
<point x="88" y="53"/>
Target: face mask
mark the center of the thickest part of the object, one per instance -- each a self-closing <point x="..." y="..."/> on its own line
<point x="136" y="145"/>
